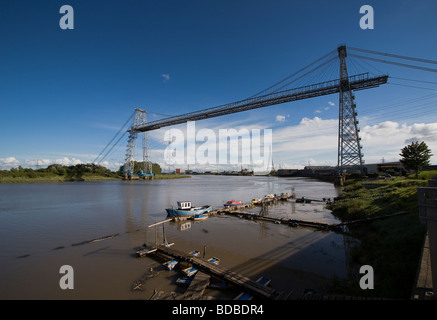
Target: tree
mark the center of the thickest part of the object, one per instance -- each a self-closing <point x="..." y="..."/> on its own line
<point x="415" y="156"/>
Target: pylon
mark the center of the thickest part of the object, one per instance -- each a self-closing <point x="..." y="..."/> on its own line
<point x="139" y="119"/>
<point x="350" y="158"/>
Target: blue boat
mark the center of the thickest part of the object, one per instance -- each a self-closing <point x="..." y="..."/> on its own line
<point x="185" y="209"/>
<point x="169" y="265"/>
<point x="189" y="272"/>
<point x="183" y="281"/>
<point x="214" y="260"/>
<point x="246" y="296"/>
<point x="194" y="253"/>
<point x="200" y="217"/>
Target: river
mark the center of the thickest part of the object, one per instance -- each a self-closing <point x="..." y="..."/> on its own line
<point x="46" y="226"/>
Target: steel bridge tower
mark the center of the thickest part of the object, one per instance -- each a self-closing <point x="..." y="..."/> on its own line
<point x="139" y="118"/>
<point x="350" y="158"/>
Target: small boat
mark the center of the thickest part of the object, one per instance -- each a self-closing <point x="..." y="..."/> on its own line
<point x="214" y="260"/>
<point x="200" y="217"/>
<point x="185" y="209"/>
<point x="190" y="271"/>
<point x="145" y="251"/>
<point x="263" y="281"/>
<point x="246" y="296"/>
<point x="183" y="281"/>
<point x="194" y="253"/>
<point x="168" y="244"/>
<point x="268" y="198"/>
<point x="169" y="265"/>
<point x="232" y="203"/>
<point x="284" y="196"/>
<point x="256" y="201"/>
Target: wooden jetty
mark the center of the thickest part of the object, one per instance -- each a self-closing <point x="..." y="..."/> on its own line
<point x="204" y="266"/>
<point x="337" y="227"/>
<point x="290" y="222"/>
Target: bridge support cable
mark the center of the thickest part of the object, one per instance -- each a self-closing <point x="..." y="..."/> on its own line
<point x="394" y="55"/>
<point x="349" y="148"/>
<point x="294" y="74"/>
<point x="394" y="63"/>
<point x="123" y="128"/>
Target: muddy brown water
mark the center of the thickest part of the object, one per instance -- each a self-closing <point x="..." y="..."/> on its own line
<point x="46" y="226"/>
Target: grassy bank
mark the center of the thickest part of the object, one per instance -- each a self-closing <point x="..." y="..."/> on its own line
<point x="392" y="246"/>
<point x="47" y="178"/>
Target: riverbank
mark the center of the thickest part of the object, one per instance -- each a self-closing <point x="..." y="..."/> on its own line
<point x="391" y="246"/>
<point x="50" y="178"/>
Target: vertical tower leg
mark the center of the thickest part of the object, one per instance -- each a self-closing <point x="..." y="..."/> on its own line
<point x="350" y="158"/>
<point x="139" y="119"/>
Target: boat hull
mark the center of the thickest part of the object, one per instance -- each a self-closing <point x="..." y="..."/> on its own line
<point x="187" y="213"/>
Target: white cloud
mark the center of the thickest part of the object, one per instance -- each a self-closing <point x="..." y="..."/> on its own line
<point x="9" y="162"/>
<point x="331" y="103"/>
<point x="316" y="140"/>
<point x="280" y="118"/>
<point x="165" y="77"/>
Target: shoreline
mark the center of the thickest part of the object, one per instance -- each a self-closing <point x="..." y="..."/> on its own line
<point x="60" y="179"/>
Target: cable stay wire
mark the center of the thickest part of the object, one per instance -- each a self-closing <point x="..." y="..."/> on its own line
<point x="113" y="146"/>
<point x="394" y="63"/>
<point x="394" y="55"/>
<point x="124" y="125"/>
<point x="292" y="75"/>
<point x="302" y="76"/>
<point x="410" y="86"/>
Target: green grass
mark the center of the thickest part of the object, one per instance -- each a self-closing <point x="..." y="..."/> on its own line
<point x="392" y="246"/>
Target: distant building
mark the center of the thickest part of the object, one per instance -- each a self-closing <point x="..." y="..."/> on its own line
<point x="384" y="166"/>
<point x="287" y="172"/>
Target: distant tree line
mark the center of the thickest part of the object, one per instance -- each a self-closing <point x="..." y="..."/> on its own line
<point x="59" y="172"/>
<point x="73" y="172"/>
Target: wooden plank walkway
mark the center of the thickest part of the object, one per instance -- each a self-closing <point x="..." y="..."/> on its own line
<point x="337" y="227"/>
<point x="236" y="279"/>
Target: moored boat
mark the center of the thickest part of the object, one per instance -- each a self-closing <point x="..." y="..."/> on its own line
<point x="185" y="209"/>
<point x="169" y="265"/>
<point x="232" y="203"/>
<point x="199" y="217"/>
<point x="256" y="201"/>
<point x="246" y="296"/>
<point x="214" y="260"/>
<point x="194" y="253"/>
<point x="190" y="271"/>
<point x="183" y="281"/>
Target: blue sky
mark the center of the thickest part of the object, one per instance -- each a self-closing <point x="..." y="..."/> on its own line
<point x="65" y="93"/>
